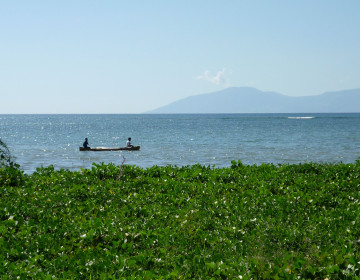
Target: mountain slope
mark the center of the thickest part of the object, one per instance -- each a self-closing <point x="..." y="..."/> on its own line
<point x="251" y="100"/>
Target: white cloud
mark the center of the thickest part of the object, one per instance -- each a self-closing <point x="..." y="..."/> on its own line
<point x="219" y="79"/>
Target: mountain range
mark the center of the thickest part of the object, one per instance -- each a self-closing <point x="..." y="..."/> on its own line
<point x="251" y="100"/>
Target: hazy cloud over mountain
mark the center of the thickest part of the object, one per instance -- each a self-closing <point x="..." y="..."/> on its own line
<point x="221" y="77"/>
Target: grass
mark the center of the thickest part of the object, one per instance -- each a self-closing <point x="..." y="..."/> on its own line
<point x="194" y="222"/>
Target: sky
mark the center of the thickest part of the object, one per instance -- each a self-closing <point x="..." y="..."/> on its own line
<point x="127" y="57"/>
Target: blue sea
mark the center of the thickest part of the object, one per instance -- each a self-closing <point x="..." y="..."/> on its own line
<point x="185" y="139"/>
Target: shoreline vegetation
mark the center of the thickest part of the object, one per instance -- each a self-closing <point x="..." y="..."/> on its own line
<point x="289" y="221"/>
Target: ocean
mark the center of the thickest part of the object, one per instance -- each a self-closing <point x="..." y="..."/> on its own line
<point x="184" y="139"/>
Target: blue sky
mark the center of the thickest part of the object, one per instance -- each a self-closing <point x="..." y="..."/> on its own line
<point x="133" y="56"/>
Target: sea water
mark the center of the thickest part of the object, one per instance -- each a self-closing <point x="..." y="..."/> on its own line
<point x="184" y="139"/>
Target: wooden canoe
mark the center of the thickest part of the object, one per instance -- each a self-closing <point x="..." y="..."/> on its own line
<point x="103" y="149"/>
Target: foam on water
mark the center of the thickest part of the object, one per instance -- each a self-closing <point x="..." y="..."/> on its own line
<point x="299" y="118"/>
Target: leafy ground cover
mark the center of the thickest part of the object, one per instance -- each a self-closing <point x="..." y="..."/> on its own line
<point x="195" y="222"/>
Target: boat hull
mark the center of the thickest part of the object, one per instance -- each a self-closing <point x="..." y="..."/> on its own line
<point x="103" y="149"/>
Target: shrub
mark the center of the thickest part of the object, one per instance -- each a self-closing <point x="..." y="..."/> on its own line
<point x="6" y="158"/>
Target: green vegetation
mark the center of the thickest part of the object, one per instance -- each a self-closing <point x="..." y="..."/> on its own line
<point x="5" y="155"/>
<point x="195" y="222"/>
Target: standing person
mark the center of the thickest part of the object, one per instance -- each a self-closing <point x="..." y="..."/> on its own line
<point x="128" y="143"/>
<point x="86" y="144"/>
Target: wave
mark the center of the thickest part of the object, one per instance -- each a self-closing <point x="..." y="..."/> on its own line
<point x="300" y="118"/>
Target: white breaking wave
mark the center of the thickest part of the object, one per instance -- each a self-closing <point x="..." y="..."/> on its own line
<point x="301" y="118"/>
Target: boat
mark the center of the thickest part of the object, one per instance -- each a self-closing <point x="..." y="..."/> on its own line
<point x="103" y="149"/>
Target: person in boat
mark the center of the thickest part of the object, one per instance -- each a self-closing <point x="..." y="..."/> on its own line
<point x="128" y="143"/>
<point x="86" y="144"/>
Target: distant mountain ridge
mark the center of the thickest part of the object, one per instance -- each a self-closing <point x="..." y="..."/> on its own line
<point x="251" y="100"/>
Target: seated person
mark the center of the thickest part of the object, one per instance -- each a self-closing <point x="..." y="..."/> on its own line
<point x="128" y="143"/>
<point x="86" y="144"/>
